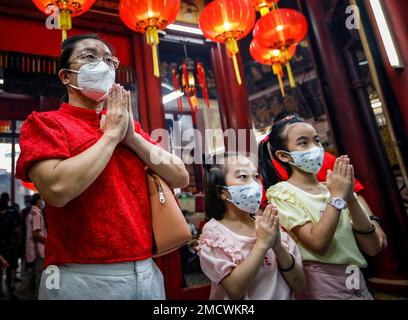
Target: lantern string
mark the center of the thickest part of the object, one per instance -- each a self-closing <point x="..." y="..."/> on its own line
<point x="185" y="50"/>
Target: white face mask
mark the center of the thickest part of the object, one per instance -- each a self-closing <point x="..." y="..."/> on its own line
<point x="246" y="197"/>
<point x="309" y="160"/>
<point x="42" y="205"/>
<point x="94" y="81"/>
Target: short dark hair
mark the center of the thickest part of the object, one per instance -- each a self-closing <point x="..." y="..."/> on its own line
<point x="5" y="196"/>
<point x="35" y="198"/>
<point x="68" y="47"/>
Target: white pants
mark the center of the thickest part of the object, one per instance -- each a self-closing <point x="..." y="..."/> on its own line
<point x="139" y="280"/>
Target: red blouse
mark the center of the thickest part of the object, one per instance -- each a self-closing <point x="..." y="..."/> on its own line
<point x="110" y="221"/>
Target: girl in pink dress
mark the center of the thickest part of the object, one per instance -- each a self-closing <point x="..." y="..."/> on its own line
<point x="245" y="256"/>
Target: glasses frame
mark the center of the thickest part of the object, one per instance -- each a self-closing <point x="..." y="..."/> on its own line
<point x="100" y="58"/>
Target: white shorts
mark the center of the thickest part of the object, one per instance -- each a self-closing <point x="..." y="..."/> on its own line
<point x="139" y="280"/>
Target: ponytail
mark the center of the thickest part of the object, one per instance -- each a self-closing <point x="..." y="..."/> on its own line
<point x="276" y="140"/>
<point x="269" y="174"/>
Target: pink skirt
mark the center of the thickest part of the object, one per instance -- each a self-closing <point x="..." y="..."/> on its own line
<point x="331" y="282"/>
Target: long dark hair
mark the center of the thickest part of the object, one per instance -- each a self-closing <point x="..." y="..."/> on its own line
<point x="68" y="47"/>
<point x="274" y="141"/>
<point x="214" y="179"/>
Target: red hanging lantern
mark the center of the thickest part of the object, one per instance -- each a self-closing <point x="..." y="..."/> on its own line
<point x="264" y="6"/>
<point x="280" y="29"/>
<point x="227" y="21"/>
<point x="67" y="9"/>
<point x="274" y="57"/>
<point x="149" y="16"/>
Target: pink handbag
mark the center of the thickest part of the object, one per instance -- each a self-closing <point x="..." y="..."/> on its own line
<point x="170" y="228"/>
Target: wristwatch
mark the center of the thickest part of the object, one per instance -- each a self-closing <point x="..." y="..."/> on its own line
<point x="374" y="218"/>
<point x="338" y="203"/>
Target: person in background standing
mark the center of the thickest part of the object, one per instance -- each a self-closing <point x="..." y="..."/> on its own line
<point x="36" y="236"/>
<point x="10" y="222"/>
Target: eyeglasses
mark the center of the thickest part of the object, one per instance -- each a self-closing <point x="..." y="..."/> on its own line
<point x="93" y="59"/>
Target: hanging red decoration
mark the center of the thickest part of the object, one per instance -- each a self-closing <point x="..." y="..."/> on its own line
<point x="274" y="57"/>
<point x="67" y="9"/>
<point x="203" y="83"/>
<point x="264" y="6"/>
<point x="227" y="21"/>
<point x="176" y="87"/>
<point x="189" y="87"/>
<point x="280" y="29"/>
<point x="149" y="16"/>
<point x="189" y="72"/>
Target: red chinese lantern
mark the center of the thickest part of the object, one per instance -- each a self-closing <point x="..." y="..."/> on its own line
<point x="264" y="6"/>
<point x="149" y="16"/>
<point x="280" y="29"/>
<point x="67" y="9"/>
<point x="227" y="21"/>
<point x="274" y="57"/>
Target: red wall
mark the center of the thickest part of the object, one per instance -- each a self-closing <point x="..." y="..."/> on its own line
<point x="31" y="36"/>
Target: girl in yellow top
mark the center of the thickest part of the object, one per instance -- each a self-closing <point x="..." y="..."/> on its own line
<point x="327" y="221"/>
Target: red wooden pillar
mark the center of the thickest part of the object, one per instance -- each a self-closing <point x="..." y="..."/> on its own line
<point x="151" y="109"/>
<point x="396" y="11"/>
<point x="356" y="136"/>
<point x="151" y="116"/>
<point x="232" y="98"/>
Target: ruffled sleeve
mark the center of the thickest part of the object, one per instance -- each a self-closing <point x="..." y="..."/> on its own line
<point x="41" y="138"/>
<point x="291" y="211"/>
<point x="218" y="255"/>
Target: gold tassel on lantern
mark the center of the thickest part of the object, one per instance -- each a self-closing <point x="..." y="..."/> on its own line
<point x="152" y="39"/>
<point x="290" y="75"/>
<point x="278" y="71"/>
<point x="264" y="11"/>
<point x="232" y="47"/>
<point x="64" y="22"/>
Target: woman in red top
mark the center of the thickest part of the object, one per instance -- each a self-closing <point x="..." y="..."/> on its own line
<point x="88" y="165"/>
